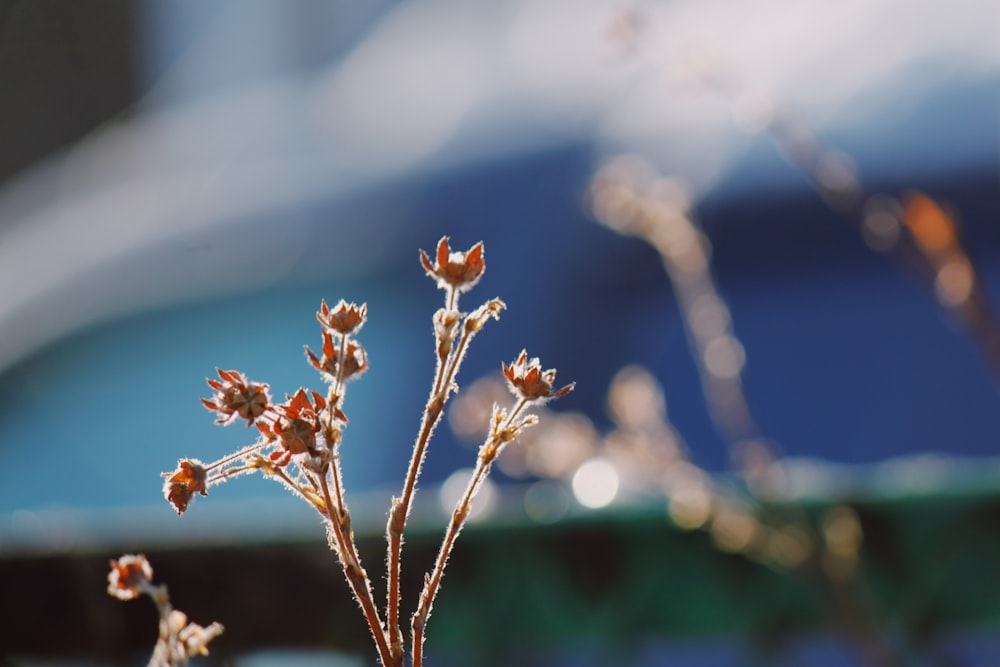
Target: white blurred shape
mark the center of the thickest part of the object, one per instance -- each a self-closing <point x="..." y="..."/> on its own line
<point x="724" y="357"/>
<point x="954" y="282"/>
<point x="454" y="488"/>
<point x="595" y="483"/>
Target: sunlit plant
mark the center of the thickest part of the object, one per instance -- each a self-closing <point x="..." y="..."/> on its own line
<point x="300" y="438"/>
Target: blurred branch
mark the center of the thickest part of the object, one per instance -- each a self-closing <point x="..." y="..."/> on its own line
<point x="913" y="230"/>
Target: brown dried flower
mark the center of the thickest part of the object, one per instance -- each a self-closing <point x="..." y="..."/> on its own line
<point x="355" y="359"/>
<point x="527" y="379"/>
<point x="129" y="576"/>
<point x="456" y="270"/>
<point x="345" y="318"/>
<point x="297" y="425"/>
<point x="189" y="478"/>
<point x="236" y="397"/>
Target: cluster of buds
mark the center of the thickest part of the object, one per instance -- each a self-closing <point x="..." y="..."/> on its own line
<point x="306" y="427"/>
<point x="179" y="639"/>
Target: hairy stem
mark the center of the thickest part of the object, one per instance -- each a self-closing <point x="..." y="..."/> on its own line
<point x="341" y="362"/>
<point x="236" y="455"/>
<point x="432" y="582"/>
<point x="355" y="574"/>
<point x="444" y="376"/>
<point x="290" y="484"/>
<point x="160" y="597"/>
<point x="398" y="515"/>
<point x="229" y="472"/>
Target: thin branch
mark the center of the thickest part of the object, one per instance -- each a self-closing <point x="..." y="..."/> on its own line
<point x="249" y="449"/>
<point x="355" y="574"/>
<point x="447" y="369"/>
<point x="499" y="436"/>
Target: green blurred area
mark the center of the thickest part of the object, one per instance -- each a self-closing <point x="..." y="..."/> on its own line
<point x="609" y="580"/>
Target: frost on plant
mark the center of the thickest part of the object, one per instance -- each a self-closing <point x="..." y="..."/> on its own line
<point x="298" y="439"/>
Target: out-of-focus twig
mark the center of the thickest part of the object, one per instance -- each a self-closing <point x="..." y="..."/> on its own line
<point x="627" y="195"/>
<point x="916" y="232"/>
<point x="179" y="639"/>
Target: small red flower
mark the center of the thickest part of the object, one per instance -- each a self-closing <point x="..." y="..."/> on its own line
<point x="355" y="361"/>
<point x="298" y="425"/>
<point x="527" y="379"/>
<point x="458" y="270"/>
<point x="129" y="576"/>
<point x="181" y="485"/>
<point x="235" y="397"/>
<point x="345" y="318"/>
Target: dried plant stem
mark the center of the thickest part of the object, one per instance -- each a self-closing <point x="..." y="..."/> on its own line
<point x="171" y="650"/>
<point x="432" y="582"/>
<point x="240" y="454"/>
<point x="131" y="576"/>
<point x="355" y="574"/>
<point x="401" y="509"/>
<point x="305" y="431"/>
<point x="456" y="359"/>
<point x="160" y="597"/>
<point x="226" y="474"/>
<point x="290" y="484"/>
<point x="338" y="386"/>
<point x="449" y="359"/>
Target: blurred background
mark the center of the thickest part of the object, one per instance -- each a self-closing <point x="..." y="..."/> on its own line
<point x="181" y="183"/>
